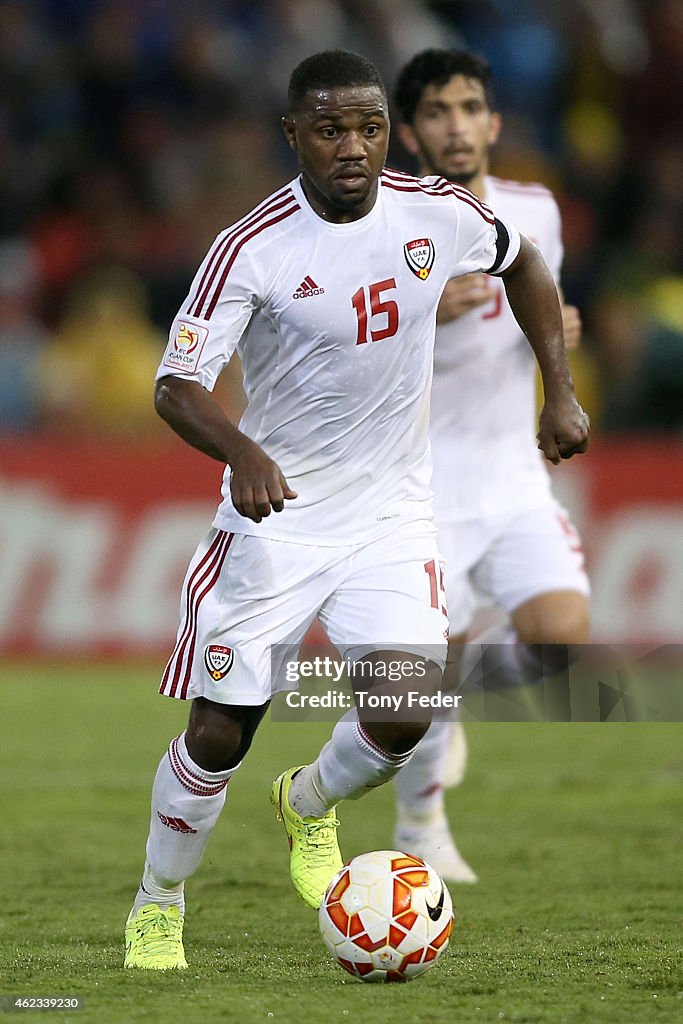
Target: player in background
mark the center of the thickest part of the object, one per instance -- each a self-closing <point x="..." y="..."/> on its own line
<point x="328" y="290"/>
<point x="501" y="531"/>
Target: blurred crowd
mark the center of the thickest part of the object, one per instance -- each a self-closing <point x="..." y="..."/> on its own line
<point x="131" y="131"/>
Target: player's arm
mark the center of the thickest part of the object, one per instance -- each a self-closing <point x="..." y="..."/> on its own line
<point x="202" y="340"/>
<point x="533" y="298"/>
<point x="257" y="484"/>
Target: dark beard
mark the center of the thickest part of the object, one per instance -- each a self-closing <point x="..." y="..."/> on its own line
<point x="463" y="179"/>
<point x="460" y="179"/>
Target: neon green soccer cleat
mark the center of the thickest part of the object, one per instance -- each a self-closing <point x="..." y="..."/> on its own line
<point x="154" y="939"/>
<point x="314" y="857"/>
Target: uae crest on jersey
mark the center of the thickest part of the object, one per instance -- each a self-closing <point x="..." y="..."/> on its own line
<point x="218" y="661"/>
<point x="419" y="256"/>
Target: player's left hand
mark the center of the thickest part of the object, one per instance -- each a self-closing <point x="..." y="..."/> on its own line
<point x="571" y="327"/>
<point x="563" y="428"/>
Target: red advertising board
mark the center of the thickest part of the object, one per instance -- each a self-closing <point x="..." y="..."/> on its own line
<point x="94" y="541"/>
<point x="626" y="497"/>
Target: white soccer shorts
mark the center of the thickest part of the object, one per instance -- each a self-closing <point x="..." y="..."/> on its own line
<point x="509" y="560"/>
<point x="243" y="594"/>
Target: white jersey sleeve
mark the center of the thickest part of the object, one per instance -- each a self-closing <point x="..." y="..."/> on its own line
<point x="483" y="241"/>
<point x="198" y="349"/>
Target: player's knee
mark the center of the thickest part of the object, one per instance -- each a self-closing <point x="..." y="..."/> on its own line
<point x="571" y="630"/>
<point x="564" y="620"/>
<point x="214" y="749"/>
<point x="217" y="738"/>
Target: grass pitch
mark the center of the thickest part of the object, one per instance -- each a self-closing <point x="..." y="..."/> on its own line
<point x="575" y="831"/>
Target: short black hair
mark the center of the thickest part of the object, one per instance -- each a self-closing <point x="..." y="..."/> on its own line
<point x="437" y="67"/>
<point x="331" y="69"/>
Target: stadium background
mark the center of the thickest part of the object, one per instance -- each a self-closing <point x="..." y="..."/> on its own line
<point x="131" y="132"/>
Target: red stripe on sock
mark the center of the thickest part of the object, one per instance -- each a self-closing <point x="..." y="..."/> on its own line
<point x="386" y="755"/>
<point x="188" y="779"/>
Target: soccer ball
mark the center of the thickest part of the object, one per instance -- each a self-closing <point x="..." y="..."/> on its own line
<point x="386" y="916"/>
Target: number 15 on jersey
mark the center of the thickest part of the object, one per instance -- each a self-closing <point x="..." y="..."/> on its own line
<point x="370" y="305"/>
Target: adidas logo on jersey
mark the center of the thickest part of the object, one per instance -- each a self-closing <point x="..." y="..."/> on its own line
<point x="307" y="288"/>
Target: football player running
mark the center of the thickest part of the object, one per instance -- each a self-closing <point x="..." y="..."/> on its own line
<point x="501" y="531"/>
<point x="328" y="290"/>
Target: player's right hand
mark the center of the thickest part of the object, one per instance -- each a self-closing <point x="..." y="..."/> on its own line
<point x="564" y="428"/>
<point x="257" y="484"/>
<point x="462" y="294"/>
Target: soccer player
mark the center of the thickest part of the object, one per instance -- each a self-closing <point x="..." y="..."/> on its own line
<point x="501" y="531"/>
<point x="328" y="290"/>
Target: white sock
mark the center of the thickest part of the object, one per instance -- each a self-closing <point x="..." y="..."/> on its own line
<point x="150" y="891"/>
<point x="419" y="784"/>
<point x="186" y="803"/>
<point x="350" y="764"/>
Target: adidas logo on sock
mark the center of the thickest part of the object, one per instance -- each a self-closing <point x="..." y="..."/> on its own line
<point x="307" y="288"/>
<point x="177" y="824"/>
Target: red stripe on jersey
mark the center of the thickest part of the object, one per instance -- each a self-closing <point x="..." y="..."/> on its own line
<point x="215" y="254"/>
<point x="219" y="244"/>
<point x="390" y="172"/>
<point x="408" y="179"/>
<point x="443" y="189"/>
<point x="467" y="194"/>
<point x="236" y="250"/>
<point x="194" y="595"/>
<point x="426" y="191"/>
<point x="442" y="185"/>
<point x="222" y="246"/>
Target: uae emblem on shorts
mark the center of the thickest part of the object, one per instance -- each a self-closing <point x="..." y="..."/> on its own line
<point x="419" y="256"/>
<point x="218" y="661"/>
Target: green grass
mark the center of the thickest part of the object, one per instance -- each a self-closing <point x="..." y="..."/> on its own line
<point x="575" y="831"/>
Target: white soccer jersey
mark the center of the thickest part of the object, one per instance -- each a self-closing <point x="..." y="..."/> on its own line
<point x="334" y="325"/>
<point x="483" y="418"/>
